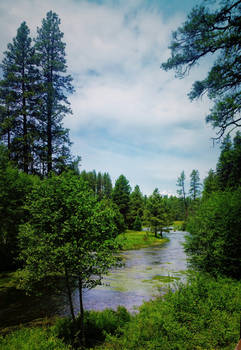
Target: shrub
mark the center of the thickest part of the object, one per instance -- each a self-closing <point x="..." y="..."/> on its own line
<point x="32" y="339"/>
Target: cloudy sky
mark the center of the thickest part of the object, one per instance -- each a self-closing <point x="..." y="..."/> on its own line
<point x="129" y="117"/>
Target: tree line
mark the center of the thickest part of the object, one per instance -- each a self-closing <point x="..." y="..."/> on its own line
<point x="34" y="92"/>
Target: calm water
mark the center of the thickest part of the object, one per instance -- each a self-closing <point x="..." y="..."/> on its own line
<point x="142" y="278"/>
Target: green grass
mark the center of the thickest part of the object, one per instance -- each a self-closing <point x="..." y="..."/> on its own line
<point x="7" y="280"/>
<point x="178" y="225"/>
<point x="32" y="339"/>
<point x="138" y="239"/>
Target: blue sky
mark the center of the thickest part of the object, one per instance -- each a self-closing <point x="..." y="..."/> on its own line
<point x="129" y="117"/>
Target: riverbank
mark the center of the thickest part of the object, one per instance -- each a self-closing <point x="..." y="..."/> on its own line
<point x="17" y="308"/>
<point x="203" y="314"/>
<point x="131" y="240"/>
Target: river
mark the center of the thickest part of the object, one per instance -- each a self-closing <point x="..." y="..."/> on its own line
<point x="148" y="272"/>
<point x="144" y="276"/>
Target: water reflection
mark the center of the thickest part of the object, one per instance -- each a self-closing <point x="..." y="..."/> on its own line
<point x="141" y="278"/>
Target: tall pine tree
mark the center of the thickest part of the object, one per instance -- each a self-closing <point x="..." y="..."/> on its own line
<point x="195" y="184"/>
<point x="50" y="49"/>
<point x="19" y="99"/>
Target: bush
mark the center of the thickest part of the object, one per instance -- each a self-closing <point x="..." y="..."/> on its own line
<point x="32" y="339"/>
<point x="97" y="325"/>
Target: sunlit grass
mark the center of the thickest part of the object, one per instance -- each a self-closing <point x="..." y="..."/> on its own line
<point x="138" y="239"/>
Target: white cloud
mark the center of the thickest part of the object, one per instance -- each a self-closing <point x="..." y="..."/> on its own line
<point x="141" y="121"/>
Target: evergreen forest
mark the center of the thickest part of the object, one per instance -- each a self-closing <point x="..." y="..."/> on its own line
<point x="63" y="227"/>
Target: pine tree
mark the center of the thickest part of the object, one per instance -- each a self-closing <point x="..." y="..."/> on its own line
<point x="54" y="148"/>
<point x="157" y="213"/>
<point x="136" y="206"/>
<point x="181" y="191"/>
<point x="121" y="195"/>
<point x="195" y="184"/>
<point x="107" y="185"/>
<point x="19" y="99"/>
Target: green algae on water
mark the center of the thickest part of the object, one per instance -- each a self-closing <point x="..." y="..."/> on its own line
<point x="162" y="279"/>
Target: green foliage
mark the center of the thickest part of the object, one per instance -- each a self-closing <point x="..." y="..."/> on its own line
<point x="137" y="226"/>
<point x="14" y="187"/>
<point x="100" y="183"/>
<point x="19" y="100"/>
<point x="50" y="52"/>
<point x="137" y="239"/>
<point x="195" y="184"/>
<point x="175" y="206"/>
<point x="69" y="235"/>
<point x="212" y="30"/>
<point x="157" y="214"/>
<point x="33" y="99"/>
<point x="100" y="323"/>
<point x="182" y="192"/>
<point x="203" y="314"/>
<point x="31" y="339"/>
<point x="136" y="206"/>
<point x="121" y="195"/>
<point x="210" y="184"/>
<point x="97" y="325"/>
<point x="214" y="240"/>
<point x="228" y="168"/>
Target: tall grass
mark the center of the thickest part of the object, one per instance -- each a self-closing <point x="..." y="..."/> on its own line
<point x="32" y="339"/>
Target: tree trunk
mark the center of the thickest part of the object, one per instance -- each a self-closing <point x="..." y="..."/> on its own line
<point x="69" y="294"/>
<point x="49" y="143"/>
<point x="82" y="334"/>
<point x="25" y="132"/>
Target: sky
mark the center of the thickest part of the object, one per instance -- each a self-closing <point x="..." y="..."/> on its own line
<point x="129" y="116"/>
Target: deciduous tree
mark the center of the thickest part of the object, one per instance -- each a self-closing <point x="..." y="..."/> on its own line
<point x="69" y="234"/>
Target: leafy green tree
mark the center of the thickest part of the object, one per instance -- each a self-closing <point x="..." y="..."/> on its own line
<point x="214" y="241"/>
<point x="136" y="206"/>
<point x="50" y="49"/>
<point x="69" y="234"/>
<point x="212" y="30"/>
<point x="195" y="184"/>
<point x="121" y="195"/>
<point x="19" y="99"/>
<point x="181" y="191"/>
<point x="14" y="187"/>
<point x="157" y="214"/>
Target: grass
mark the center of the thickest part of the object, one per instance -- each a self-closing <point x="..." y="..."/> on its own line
<point x="32" y="339"/>
<point x="178" y="225"/>
<point x="138" y="239"/>
<point x="7" y="280"/>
